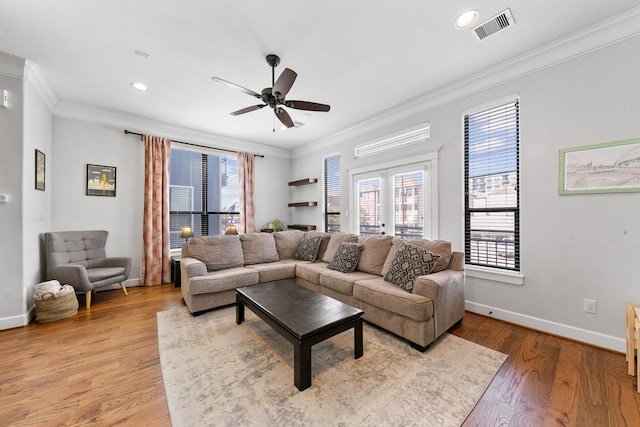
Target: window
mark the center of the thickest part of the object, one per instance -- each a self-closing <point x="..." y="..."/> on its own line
<point x="332" y="198"/>
<point x="492" y="175"/>
<point x="203" y="194"/>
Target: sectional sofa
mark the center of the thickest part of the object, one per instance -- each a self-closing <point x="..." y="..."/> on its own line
<point x="413" y="288"/>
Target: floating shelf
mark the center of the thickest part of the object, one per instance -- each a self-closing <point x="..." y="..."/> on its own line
<point x="303" y="182"/>
<point x="302" y="227"/>
<point x="302" y="204"/>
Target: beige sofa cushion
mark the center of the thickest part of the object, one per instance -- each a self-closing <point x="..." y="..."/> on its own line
<point x="287" y="242"/>
<point x="334" y="243"/>
<point x="323" y="243"/>
<point x="258" y="248"/>
<point x="223" y="280"/>
<point x="374" y="253"/>
<point x="216" y="252"/>
<point x="383" y="294"/>
<point x="438" y="247"/>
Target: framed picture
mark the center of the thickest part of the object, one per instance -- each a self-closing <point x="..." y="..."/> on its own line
<point x="101" y="180"/>
<point x="40" y="170"/>
<point x="612" y="167"/>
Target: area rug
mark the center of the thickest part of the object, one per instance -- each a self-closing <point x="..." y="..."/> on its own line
<point x="217" y="373"/>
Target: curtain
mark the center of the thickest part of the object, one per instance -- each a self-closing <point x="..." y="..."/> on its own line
<point x="156" y="266"/>
<point x="246" y="176"/>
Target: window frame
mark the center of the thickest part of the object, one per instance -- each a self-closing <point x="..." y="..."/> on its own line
<point x="487" y="270"/>
<point x="325" y="193"/>
<point x="204" y="213"/>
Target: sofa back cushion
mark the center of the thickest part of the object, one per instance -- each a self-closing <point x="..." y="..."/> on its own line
<point x="324" y="242"/>
<point x="258" y="248"/>
<point x="287" y="242"/>
<point x="75" y="247"/>
<point x="375" y="250"/>
<point x="438" y="247"/>
<point x="334" y="243"/>
<point x="216" y="252"/>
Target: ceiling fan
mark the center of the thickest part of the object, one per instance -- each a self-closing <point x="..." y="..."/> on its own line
<point x="274" y="96"/>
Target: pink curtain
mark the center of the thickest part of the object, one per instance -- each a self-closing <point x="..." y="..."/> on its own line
<point x="246" y="175"/>
<point x="156" y="267"/>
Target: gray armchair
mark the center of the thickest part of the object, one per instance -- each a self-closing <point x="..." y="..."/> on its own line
<point x="78" y="258"/>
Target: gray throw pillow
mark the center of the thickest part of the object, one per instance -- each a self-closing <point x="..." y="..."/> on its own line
<point x="409" y="262"/>
<point x="308" y="249"/>
<point x="346" y="257"/>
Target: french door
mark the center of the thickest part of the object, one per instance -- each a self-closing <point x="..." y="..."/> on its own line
<point x="392" y="201"/>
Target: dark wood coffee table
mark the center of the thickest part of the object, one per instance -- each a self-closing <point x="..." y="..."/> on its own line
<point x="303" y="317"/>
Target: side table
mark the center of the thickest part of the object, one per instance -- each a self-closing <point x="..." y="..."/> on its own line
<point x="633" y="341"/>
<point x="175" y="271"/>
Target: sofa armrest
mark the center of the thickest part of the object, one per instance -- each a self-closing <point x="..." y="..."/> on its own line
<point x="446" y="289"/>
<point x="191" y="267"/>
<point x="75" y="275"/>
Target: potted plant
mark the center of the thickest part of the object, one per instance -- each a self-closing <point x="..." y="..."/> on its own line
<point x="276" y="224"/>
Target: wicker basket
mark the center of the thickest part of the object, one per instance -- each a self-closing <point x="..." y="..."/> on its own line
<point x="50" y="307"/>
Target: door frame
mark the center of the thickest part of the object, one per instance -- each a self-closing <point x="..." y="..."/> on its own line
<point x="428" y="162"/>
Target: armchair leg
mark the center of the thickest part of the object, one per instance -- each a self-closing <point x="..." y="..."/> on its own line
<point x="124" y="288"/>
<point x="88" y="298"/>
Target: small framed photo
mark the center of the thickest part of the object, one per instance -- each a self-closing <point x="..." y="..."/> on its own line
<point x="40" y="170"/>
<point x="101" y="180"/>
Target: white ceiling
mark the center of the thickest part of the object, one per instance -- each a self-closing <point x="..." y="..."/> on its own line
<point x="362" y="56"/>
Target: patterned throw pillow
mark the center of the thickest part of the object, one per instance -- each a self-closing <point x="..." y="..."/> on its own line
<point x="409" y="262"/>
<point x="346" y="257"/>
<point x="308" y="249"/>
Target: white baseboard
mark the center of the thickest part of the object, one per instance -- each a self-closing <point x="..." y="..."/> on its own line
<point x="571" y="332"/>
<point x="19" y="320"/>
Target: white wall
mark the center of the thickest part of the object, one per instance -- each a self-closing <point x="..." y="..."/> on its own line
<point x="12" y="305"/>
<point x="573" y="247"/>
<point x="78" y="142"/>
<point x="36" y="203"/>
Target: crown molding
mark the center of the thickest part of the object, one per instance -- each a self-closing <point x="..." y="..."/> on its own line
<point x="142" y="124"/>
<point x="40" y="85"/>
<point x="11" y="66"/>
<point x="611" y="31"/>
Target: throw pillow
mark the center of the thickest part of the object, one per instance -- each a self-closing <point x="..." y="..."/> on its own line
<point x="346" y="257"/>
<point x="409" y="262"/>
<point x="335" y="241"/>
<point x="308" y="249"/>
<point x="438" y="247"/>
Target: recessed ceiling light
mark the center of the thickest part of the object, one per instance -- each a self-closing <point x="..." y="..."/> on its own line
<point x="466" y="19"/>
<point x="140" y="86"/>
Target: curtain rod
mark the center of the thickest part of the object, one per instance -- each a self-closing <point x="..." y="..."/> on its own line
<point x="128" y="132"/>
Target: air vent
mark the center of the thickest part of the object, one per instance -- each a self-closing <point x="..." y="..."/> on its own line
<point x="497" y="23"/>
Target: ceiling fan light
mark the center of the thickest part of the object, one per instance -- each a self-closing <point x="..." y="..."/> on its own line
<point x="466" y="19"/>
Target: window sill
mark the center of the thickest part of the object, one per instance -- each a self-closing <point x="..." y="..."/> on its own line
<point x="495" y="275"/>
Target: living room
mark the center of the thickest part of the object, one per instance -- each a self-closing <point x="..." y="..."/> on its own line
<point x="579" y="90"/>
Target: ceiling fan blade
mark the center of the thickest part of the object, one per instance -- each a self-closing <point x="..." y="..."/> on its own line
<point x="306" y="105"/>
<point x="237" y="87"/>
<point x="283" y="84"/>
<point x="248" y="109"/>
<point x="284" y="117"/>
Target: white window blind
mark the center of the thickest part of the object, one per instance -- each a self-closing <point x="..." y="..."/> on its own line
<point x="332" y="196"/>
<point x="492" y="199"/>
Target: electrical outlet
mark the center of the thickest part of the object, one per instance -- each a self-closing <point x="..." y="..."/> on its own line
<point x="590" y="306"/>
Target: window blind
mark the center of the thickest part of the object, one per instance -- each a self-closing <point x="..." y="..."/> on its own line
<point x="332" y="196"/>
<point x="492" y="199"/>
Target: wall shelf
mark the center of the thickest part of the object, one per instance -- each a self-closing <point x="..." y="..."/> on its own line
<point x="302" y="204"/>
<point x="302" y="227"/>
<point x="304" y="181"/>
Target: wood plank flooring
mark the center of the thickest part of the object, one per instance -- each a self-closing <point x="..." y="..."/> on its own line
<point x="101" y="367"/>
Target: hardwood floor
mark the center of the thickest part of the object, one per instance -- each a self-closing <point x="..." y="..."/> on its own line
<point x="101" y="367"/>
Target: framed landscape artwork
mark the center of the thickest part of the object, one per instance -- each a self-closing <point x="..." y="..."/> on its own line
<point x="612" y="167"/>
<point x="40" y="170"/>
<point x="101" y="180"/>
